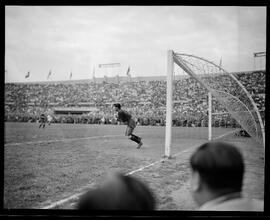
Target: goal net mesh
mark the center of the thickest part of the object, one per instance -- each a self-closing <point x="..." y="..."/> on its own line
<point x="230" y="94"/>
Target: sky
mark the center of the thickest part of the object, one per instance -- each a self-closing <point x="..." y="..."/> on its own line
<point x="76" y="39"/>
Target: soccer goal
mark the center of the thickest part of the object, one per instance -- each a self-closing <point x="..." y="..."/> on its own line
<point x="224" y="102"/>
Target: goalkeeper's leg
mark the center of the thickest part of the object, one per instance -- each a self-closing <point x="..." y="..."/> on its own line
<point x="137" y="140"/>
<point x="133" y="137"/>
<point x="40" y="124"/>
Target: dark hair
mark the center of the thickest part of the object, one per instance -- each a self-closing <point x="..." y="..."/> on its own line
<point x="220" y="165"/>
<point x="117" y="105"/>
<point x="132" y="194"/>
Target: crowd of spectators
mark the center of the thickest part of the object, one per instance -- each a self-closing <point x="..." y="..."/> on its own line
<point x="145" y="99"/>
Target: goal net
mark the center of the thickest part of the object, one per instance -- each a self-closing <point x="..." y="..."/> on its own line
<point x="218" y="98"/>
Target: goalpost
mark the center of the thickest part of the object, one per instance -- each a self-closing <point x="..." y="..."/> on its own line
<point x="239" y="103"/>
<point x="169" y="104"/>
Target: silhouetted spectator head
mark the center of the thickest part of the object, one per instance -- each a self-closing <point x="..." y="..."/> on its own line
<point x="217" y="169"/>
<point x="119" y="192"/>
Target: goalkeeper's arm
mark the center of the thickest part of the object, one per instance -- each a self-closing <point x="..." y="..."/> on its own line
<point x="119" y="120"/>
<point x="116" y="117"/>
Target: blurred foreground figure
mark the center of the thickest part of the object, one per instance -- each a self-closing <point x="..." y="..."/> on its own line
<point x="217" y="179"/>
<point x="119" y="192"/>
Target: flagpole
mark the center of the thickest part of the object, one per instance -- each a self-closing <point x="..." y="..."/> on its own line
<point x="93" y="75"/>
<point x="6" y="75"/>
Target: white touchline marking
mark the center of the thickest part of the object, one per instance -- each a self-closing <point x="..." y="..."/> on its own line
<point x="226" y="134"/>
<point x="63" y="201"/>
<point x="130" y="173"/>
<point x="75" y="196"/>
<point x="184" y="151"/>
<point x="142" y="168"/>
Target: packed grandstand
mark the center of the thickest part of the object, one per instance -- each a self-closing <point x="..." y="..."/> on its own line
<point x="88" y="101"/>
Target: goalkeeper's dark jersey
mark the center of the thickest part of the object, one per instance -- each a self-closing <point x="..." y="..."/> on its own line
<point x="43" y="117"/>
<point x="123" y="116"/>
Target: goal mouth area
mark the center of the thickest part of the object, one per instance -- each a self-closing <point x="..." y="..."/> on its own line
<point x="212" y="89"/>
<point x="226" y="89"/>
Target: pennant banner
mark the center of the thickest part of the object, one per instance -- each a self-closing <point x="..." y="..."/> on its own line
<point x="128" y="72"/>
<point x="27" y="75"/>
<point x="50" y="73"/>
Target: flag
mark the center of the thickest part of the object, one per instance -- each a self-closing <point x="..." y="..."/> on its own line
<point x="50" y="73"/>
<point x="260" y="54"/>
<point x="70" y="76"/>
<point x="27" y="75"/>
<point x="128" y="70"/>
<point x="220" y="63"/>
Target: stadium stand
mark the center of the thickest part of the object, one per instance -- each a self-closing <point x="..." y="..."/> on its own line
<point x="88" y="102"/>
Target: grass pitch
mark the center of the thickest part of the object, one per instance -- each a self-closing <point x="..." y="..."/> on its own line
<point x="49" y="168"/>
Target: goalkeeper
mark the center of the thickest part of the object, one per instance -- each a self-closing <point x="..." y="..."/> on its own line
<point x="42" y="120"/>
<point x="125" y="117"/>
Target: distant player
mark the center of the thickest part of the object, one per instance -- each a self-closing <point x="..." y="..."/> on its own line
<point x="42" y="120"/>
<point x="49" y="118"/>
<point x="125" y="117"/>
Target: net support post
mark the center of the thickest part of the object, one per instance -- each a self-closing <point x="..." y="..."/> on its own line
<point x="169" y="104"/>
